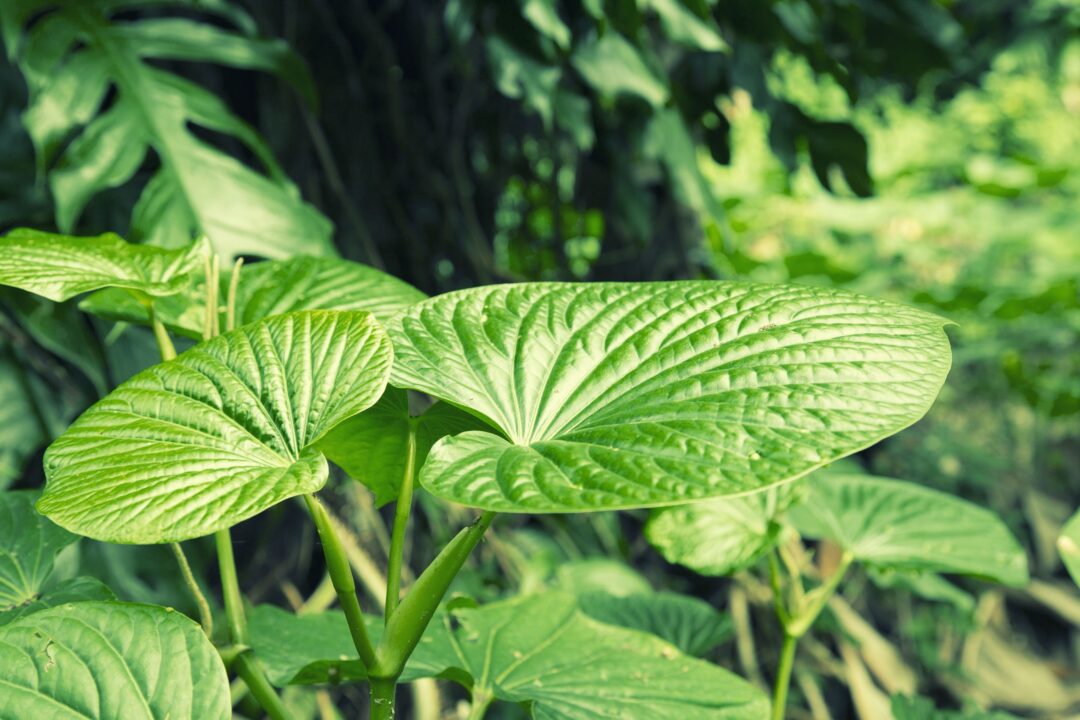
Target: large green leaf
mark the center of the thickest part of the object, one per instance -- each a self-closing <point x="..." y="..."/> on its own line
<point x="74" y="54"/>
<point x="60" y="267"/>
<point x="721" y="536"/>
<point x="271" y="288"/>
<point x="222" y="432"/>
<point x="107" y="660"/>
<point x="628" y="395"/>
<point x="372" y="447"/>
<point x="898" y="525"/>
<point x="542" y="650"/>
<point x="1068" y="544"/>
<point x="690" y="624"/>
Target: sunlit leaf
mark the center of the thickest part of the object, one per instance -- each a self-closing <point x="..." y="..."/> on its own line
<point x="721" y="536"/>
<point x="899" y="525"/>
<point x="222" y="432"/>
<point x="628" y="395"/>
<point x="60" y="267"/>
<point x="270" y="288"/>
<point x="107" y="660"/>
<point x="683" y="26"/>
<point x="372" y="447"/>
<point x="613" y="67"/>
<point x="1068" y="544"/>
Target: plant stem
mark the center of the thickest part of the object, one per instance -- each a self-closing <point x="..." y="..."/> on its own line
<point x="247" y="667"/>
<point x="206" y="618"/>
<point x="337" y="564"/>
<point x="383" y="696"/>
<point x="401" y="521"/>
<point x="783" y="675"/>
<point x="479" y="706"/>
<point x="161" y="336"/>
<point x="230" y="299"/>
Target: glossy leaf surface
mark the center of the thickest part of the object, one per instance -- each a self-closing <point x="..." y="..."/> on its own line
<point x="372" y="447"/>
<point x="271" y="288"/>
<point x="721" y="536"/>
<point x="106" y="660"/>
<point x="222" y="432"/>
<point x="631" y="395"/>
<point x="899" y="525"/>
<point x="60" y="267"/>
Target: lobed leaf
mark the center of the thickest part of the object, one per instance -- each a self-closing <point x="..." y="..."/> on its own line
<point x="628" y="395"/>
<point x="217" y="435"/>
<point x="60" y="267"/>
<point x="107" y="660"/>
<point x="890" y="524"/>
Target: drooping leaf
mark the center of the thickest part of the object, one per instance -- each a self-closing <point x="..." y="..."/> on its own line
<point x="1068" y="544"/>
<point x="60" y="267"/>
<point x="690" y="624"/>
<point x="270" y="288"/>
<point x="892" y="524"/>
<point x="222" y="432"/>
<point x="29" y="543"/>
<point x="74" y="54"/>
<point x="107" y="660"/>
<point x="628" y="395"/>
<point x="570" y="667"/>
<point x="372" y="447"/>
<point x="613" y="67"/>
<point x="721" y="536"/>
<point x="317" y="648"/>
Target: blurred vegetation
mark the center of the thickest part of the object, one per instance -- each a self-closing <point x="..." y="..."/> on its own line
<point x="924" y="151"/>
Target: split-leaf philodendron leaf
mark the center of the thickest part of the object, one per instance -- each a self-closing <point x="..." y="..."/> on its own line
<point x="898" y="525"/>
<point x="372" y="447"/>
<point x="219" y="434"/>
<point x="271" y="288"/>
<point x="108" y="660"/>
<point x="629" y="395"/>
<point x="60" y="267"/>
<point x="1068" y="544"/>
<point x="720" y="536"/>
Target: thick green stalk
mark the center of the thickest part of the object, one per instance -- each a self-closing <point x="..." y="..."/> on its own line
<point x="383" y="692"/>
<point x="412" y="616"/>
<point x="783" y="676"/>
<point x="337" y="564"/>
<point x="402" y="510"/>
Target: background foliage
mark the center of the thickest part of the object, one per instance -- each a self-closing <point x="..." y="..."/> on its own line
<point x="921" y="151"/>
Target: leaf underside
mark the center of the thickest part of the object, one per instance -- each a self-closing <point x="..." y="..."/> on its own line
<point x="628" y="395"/>
<point x="107" y="660"/>
<point x="217" y="435"/>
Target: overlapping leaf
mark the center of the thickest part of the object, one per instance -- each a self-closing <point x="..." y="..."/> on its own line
<point x="721" y="536"/>
<point x="690" y="624"/>
<point x="222" y="432"/>
<point x="107" y="660"/>
<point x="898" y="525"/>
<point x="637" y="395"/>
<point x="29" y="543"/>
<point x="271" y="288"/>
<point x="60" y="267"/>
<point x="74" y="54"/>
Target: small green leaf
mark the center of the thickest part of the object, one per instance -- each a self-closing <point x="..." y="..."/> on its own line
<point x="372" y="447"/>
<point x="891" y="524"/>
<point x="613" y="67"/>
<point x="270" y="288"/>
<point x="217" y="435"/>
<point x="1068" y="544"/>
<point x="107" y="660"/>
<point x="722" y="536"/>
<point x="29" y="543"/>
<point x="60" y="267"/>
<point x="690" y="624"/>
<point x="927" y="585"/>
<point x="683" y="26"/>
<point x="624" y="395"/>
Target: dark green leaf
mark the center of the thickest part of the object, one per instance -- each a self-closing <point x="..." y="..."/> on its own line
<point x="690" y="624"/>
<point x="29" y="542"/>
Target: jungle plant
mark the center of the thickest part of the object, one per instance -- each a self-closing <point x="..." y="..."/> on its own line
<point x="903" y="533"/>
<point x="550" y="398"/>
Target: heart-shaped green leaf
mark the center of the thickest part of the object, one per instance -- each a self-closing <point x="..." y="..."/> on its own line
<point x="270" y="288"/>
<point x="690" y="624"/>
<point x="1068" y="544"/>
<point x="222" y="432"/>
<point x="373" y="447"/>
<point x="107" y="660"/>
<point x="721" y="536"/>
<point x="631" y="395"/>
<point x="898" y="525"/>
<point x="60" y="267"/>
